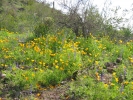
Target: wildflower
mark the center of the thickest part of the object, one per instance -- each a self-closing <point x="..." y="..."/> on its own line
<point x="84" y="76"/>
<point x="38" y="94"/>
<point x="40" y="62"/>
<point x="120" y="41"/>
<point x="79" y="65"/>
<point x="56" y="61"/>
<point x="38" y="86"/>
<point x="26" y="78"/>
<point x="106" y="85"/>
<point x="34" y="99"/>
<point x="61" y="68"/>
<point x="89" y="60"/>
<point x="112" y="84"/>
<point x="27" y="58"/>
<point x="132" y="83"/>
<point x="114" y="74"/>
<point x="41" y="70"/>
<point x="35" y="68"/>
<point x="86" y="49"/>
<point x="56" y="66"/>
<point x="32" y="60"/>
<point x="36" y="48"/>
<point x="33" y="75"/>
<point x="126" y="82"/>
<point x="97" y="76"/>
<point x="51" y="86"/>
<point x="21" y="44"/>
<point x="13" y="68"/>
<point x="96" y="62"/>
<point x="43" y="64"/>
<point x="61" y="60"/>
<point x="116" y="79"/>
<point x="2" y="64"/>
<point x="22" y="67"/>
<point x="82" y="52"/>
<point x="52" y="55"/>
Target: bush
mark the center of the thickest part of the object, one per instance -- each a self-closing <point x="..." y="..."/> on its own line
<point x="44" y="28"/>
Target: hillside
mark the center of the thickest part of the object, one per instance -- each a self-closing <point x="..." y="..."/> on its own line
<point x="91" y="68"/>
<point x="23" y="15"/>
<point x="47" y="55"/>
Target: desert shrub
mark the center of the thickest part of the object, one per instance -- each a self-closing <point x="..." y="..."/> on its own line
<point x="44" y="27"/>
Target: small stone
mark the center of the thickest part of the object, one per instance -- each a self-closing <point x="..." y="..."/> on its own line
<point x="118" y="60"/>
<point x="110" y="70"/>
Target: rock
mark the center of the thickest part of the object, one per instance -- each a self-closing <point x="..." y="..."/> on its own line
<point x="3" y="75"/>
<point x="110" y="69"/>
<point x="110" y="66"/>
<point x="106" y="78"/>
<point x="119" y="60"/>
<point x="63" y="82"/>
<point x="107" y="64"/>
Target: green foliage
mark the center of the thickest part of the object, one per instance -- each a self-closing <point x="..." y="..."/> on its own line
<point x="37" y="63"/>
<point x="44" y="28"/>
<point x="40" y="62"/>
<point x="23" y="15"/>
<point x="127" y="32"/>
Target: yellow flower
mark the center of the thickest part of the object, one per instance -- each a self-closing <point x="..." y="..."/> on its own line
<point x="36" y="68"/>
<point x="82" y="52"/>
<point x="61" y="60"/>
<point x="61" y="68"/>
<point x="126" y="82"/>
<point x="26" y="78"/>
<point x="43" y="64"/>
<point x="97" y="76"/>
<point x="120" y="41"/>
<point x="40" y="62"/>
<point x="13" y="68"/>
<point x="56" y="61"/>
<point x="32" y="60"/>
<point x="86" y="49"/>
<point x="79" y="65"/>
<point x="27" y="58"/>
<point x="112" y="84"/>
<point x="116" y="79"/>
<point x="33" y="75"/>
<point x="89" y="60"/>
<point x="36" y="48"/>
<point x="41" y="70"/>
<point x="96" y="62"/>
<point x="52" y="55"/>
<point x="132" y="83"/>
<point x="106" y="85"/>
<point x="38" y="94"/>
<point x="114" y="74"/>
<point x="21" y="44"/>
<point x="56" y="66"/>
<point x="84" y="76"/>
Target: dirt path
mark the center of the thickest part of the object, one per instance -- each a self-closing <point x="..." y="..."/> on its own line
<point x="57" y="93"/>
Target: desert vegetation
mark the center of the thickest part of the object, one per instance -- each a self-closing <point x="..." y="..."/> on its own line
<point x="52" y="55"/>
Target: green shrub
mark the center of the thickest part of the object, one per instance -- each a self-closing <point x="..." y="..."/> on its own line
<point x="44" y="27"/>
